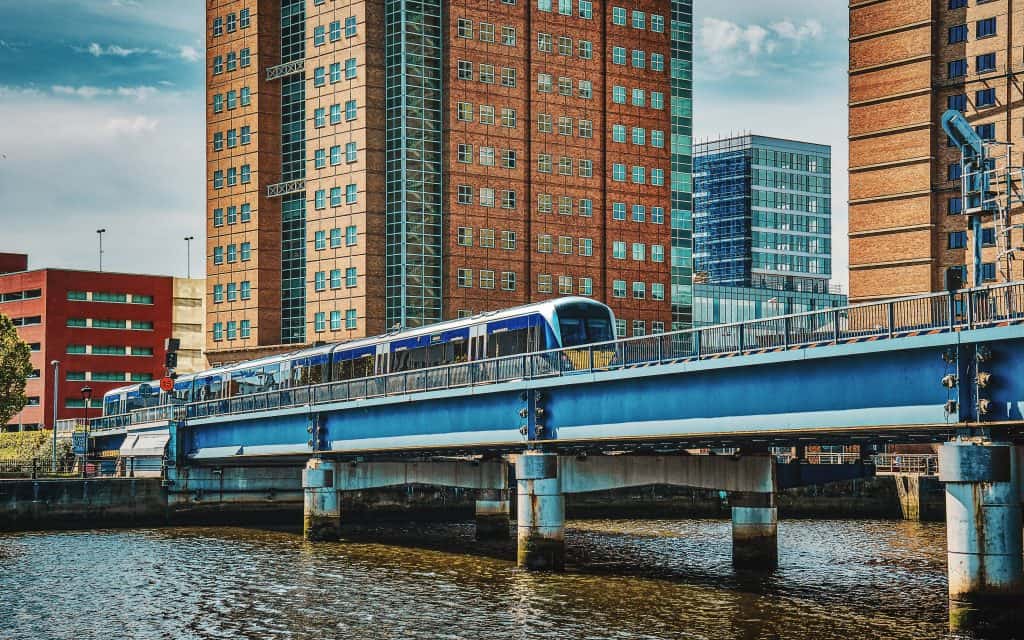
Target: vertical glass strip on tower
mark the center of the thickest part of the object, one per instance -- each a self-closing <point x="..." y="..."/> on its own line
<point x="682" y="163"/>
<point x="413" y="233"/>
<point x="293" y="167"/>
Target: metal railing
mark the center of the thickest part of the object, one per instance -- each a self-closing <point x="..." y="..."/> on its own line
<point x="930" y="313"/>
<point x="36" y="468"/>
<point x="921" y="463"/>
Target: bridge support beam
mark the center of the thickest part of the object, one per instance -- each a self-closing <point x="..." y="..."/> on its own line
<point x="983" y="531"/>
<point x="755" y="531"/>
<point x="540" y="513"/>
<point x="492" y="515"/>
<point x="321" y="513"/>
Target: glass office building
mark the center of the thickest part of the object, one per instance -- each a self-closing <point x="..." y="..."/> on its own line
<point x="722" y="304"/>
<point x="763" y="214"/>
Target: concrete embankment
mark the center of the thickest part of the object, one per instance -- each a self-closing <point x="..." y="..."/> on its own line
<point x="115" y="502"/>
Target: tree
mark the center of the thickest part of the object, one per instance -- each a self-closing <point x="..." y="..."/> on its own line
<point x="15" y="368"/>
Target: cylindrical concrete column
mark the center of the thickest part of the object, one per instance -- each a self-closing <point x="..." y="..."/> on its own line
<point x="492" y="515"/>
<point x="983" y="534"/>
<point x="755" y="531"/>
<point x="540" y="513"/>
<point x="321" y="521"/>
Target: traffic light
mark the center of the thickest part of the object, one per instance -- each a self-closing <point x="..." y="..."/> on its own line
<point x="171" y="360"/>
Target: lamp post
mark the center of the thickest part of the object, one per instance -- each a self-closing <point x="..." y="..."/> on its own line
<point x="87" y="398"/>
<point x="56" y="395"/>
<point x="188" y="256"/>
<point x="100" y="233"/>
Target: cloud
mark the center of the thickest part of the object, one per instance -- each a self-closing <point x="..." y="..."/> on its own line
<point x="745" y="50"/>
<point x="811" y="29"/>
<point x="132" y="126"/>
<point x="89" y="92"/>
<point x="96" y="50"/>
<point x="188" y="54"/>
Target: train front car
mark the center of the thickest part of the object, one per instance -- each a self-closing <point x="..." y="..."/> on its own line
<point x="586" y="330"/>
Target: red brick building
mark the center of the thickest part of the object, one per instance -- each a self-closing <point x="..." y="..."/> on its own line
<point x="106" y="329"/>
<point x="373" y="164"/>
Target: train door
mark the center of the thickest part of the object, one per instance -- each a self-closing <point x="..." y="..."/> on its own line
<point x="477" y="342"/>
<point x="381" y="364"/>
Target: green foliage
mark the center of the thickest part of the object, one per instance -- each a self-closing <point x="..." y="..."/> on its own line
<point x="14" y="370"/>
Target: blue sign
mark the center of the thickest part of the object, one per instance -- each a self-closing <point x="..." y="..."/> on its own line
<point x="80" y="443"/>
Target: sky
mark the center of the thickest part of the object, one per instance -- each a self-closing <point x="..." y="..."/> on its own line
<point x="101" y="117"/>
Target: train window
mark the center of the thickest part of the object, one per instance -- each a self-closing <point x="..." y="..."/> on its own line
<point x="507" y="343"/>
<point x="456" y="352"/>
<point x="584" y="324"/>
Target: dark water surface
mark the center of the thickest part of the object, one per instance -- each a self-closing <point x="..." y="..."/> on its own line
<point x="847" y="580"/>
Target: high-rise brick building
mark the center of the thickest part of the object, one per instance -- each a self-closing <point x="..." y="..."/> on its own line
<point x="910" y="61"/>
<point x="384" y="163"/>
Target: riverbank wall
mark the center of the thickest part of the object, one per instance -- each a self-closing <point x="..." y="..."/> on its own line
<point x="126" y="502"/>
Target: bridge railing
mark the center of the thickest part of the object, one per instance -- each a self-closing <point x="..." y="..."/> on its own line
<point x="927" y="313"/>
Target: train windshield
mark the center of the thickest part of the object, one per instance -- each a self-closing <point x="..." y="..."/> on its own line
<point x="584" y="324"/>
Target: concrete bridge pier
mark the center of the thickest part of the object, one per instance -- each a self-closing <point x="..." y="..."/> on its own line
<point x="540" y="513"/>
<point x="321" y="512"/>
<point x="984" y="537"/>
<point x="755" y="530"/>
<point x="492" y="514"/>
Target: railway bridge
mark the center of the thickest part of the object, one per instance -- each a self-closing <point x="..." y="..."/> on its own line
<point x="943" y="368"/>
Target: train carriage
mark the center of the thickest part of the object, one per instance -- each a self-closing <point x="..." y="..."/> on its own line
<point x="564" y="323"/>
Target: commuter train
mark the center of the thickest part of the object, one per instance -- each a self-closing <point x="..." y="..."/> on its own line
<point x="561" y="323"/>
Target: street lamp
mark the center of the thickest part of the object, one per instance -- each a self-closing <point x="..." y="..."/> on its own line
<point x="87" y="399"/>
<point x="100" y="233"/>
<point x="188" y="256"/>
<point x="56" y="394"/>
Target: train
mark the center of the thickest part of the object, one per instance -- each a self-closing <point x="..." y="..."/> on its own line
<point x="561" y="323"/>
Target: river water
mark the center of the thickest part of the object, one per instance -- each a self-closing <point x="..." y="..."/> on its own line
<point x="848" y="580"/>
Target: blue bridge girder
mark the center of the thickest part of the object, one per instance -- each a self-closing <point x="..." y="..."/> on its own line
<point x="897" y="371"/>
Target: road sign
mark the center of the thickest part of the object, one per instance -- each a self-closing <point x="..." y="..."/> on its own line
<point x="167" y="384"/>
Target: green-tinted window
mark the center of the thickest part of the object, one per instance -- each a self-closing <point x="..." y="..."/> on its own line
<point x="109" y="324"/>
<point x="76" y="348"/>
<point x="75" y="375"/>
<point x="76" y="322"/>
<point x="74" y="403"/>
<point x="141" y="377"/>
<point x="142" y="351"/>
<point x="137" y="299"/>
<point x="142" y="325"/>
<point x="77" y="295"/>
<point x="108" y="376"/>
<point x="100" y="296"/>
<point x="108" y="350"/>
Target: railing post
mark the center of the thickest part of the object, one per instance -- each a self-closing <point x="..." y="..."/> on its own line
<point x="696" y="343"/>
<point x="659" y="339"/>
<point x="890" y="309"/>
<point x="951" y="302"/>
<point x="970" y="309"/>
<point x="835" y="327"/>
<point x="785" y="332"/>
<point x="590" y="356"/>
<point x="740" y="337"/>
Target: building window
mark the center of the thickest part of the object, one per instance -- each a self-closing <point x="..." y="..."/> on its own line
<point x="246" y="290"/>
<point x="957" y="239"/>
<point x="988" y="271"/>
<point x="319" y="322"/>
<point x="486" y="279"/>
<point x="639" y="290"/>
<point x="465" y="278"/>
<point x="985" y="62"/>
<point x="957" y="68"/>
<point x="544" y="283"/>
<point x="958" y="33"/>
<point x="639" y="328"/>
<point x="350" y="319"/>
<point x="957" y="102"/>
<point x="351" y="277"/>
<point x="619" y="289"/>
<point x="244" y="329"/>
<point x="984" y="98"/>
<point x="508" y="280"/>
<point x="985" y="28"/>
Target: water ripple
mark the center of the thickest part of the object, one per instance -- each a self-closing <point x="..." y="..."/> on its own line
<point x="627" y="579"/>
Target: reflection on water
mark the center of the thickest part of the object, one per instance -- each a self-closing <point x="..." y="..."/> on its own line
<point x="626" y="579"/>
